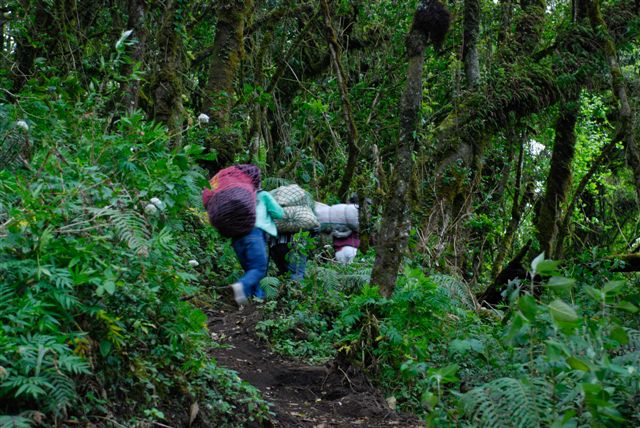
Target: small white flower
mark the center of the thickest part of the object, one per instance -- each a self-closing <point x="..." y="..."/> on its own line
<point x="150" y="209"/>
<point x="631" y="369"/>
<point x="194" y="263"/>
<point x="203" y="118"/>
<point x="158" y="203"/>
<point x="22" y="124"/>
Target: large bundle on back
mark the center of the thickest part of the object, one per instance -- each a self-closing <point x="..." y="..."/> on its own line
<point x="231" y="202"/>
<point x="297" y="204"/>
<point x="292" y="196"/>
<point x="340" y="219"/>
<point x="323" y="212"/>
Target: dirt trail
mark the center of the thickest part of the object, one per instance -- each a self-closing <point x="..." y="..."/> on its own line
<point x="302" y="396"/>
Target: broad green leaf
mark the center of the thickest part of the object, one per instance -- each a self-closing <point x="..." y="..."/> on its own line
<point x="578" y="364"/>
<point x="627" y="306"/>
<point x="611" y="413"/>
<point x="591" y="388"/>
<point x="560" y="283"/>
<point x="105" y="347"/>
<point x="548" y="267"/>
<point x="620" y="335"/>
<point x="528" y="306"/>
<point x="621" y="370"/>
<point x="444" y="374"/>
<point x="110" y="286"/>
<point x="613" y="288"/>
<point x="562" y="313"/>
<point x="428" y="400"/>
<point x="514" y="328"/>
<point x="595" y="294"/>
<point x="458" y="346"/>
<point x="567" y="420"/>
<point x="556" y="351"/>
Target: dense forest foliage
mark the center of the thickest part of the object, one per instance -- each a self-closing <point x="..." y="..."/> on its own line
<point x="492" y="145"/>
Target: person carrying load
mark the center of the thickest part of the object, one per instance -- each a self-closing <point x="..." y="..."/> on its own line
<point x="239" y="208"/>
<point x="341" y="221"/>
<point x="298" y="216"/>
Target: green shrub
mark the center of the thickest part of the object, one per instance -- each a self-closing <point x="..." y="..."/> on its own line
<point x="94" y="270"/>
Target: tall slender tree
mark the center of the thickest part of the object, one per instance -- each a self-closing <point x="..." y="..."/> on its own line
<point x="559" y="178"/>
<point x="228" y="49"/>
<point x="430" y="22"/>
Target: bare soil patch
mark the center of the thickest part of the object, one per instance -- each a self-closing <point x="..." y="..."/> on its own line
<point x="302" y="395"/>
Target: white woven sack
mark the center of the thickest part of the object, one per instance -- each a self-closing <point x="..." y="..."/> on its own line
<point x="324" y="216"/>
<point x="344" y="214"/>
<point x="297" y="218"/>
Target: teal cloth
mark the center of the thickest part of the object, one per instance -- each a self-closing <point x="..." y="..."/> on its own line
<point x="267" y="209"/>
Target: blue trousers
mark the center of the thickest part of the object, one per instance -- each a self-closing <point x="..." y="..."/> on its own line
<point x="251" y="250"/>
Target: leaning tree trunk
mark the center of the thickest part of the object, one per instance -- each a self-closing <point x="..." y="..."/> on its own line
<point x="393" y="234"/>
<point x="228" y="48"/>
<point x="559" y="179"/>
<point x="601" y="161"/>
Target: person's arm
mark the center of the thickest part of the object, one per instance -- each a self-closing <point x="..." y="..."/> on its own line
<point x="273" y="208"/>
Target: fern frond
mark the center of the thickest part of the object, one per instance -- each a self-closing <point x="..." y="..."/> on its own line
<point x="270" y="285"/>
<point x="129" y="225"/>
<point x="335" y="280"/>
<point x="73" y="364"/>
<point x="18" y="421"/>
<point x="456" y="289"/>
<point x="61" y="395"/>
<point x="356" y="280"/>
<point x="509" y="402"/>
<point x="7" y="295"/>
<point x="163" y="241"/>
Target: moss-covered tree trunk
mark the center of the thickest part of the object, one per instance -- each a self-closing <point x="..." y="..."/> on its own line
<point x="228" y="49"/>
<point x="598" y="163"/>
<point x="470" y="41"/>
<point x="530" y="25"/>
<point x="559" y="179"/>
<point x="136" y="22"/>
<point x="460" y="153"/>
<point x="167" y="87"/>
<point x="394" y="230"/>
<point x="619" y="87"/>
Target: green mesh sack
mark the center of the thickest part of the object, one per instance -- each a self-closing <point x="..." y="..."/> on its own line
<point x="292" y="196"/>
<point x="297" y="218"/>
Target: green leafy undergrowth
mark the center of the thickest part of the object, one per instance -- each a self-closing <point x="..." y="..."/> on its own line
<point x="99" y="263"/>
<point x="300" y="320"/>
<point x="564" y="352"/>
<point x="401" y="341"/>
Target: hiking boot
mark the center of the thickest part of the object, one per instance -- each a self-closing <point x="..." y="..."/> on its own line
<point x="238" y="293"/>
